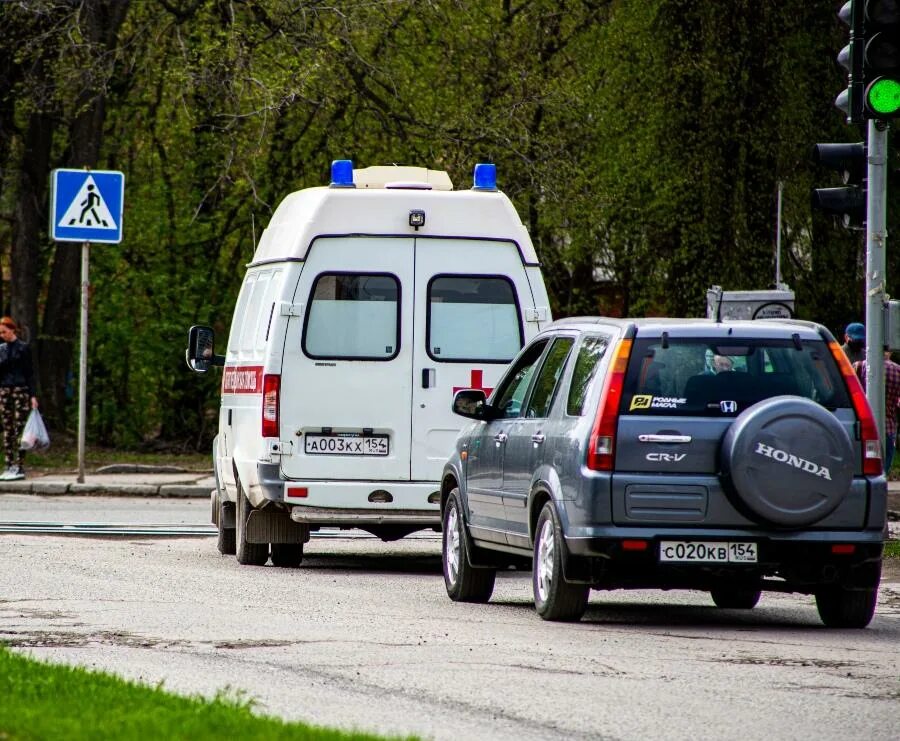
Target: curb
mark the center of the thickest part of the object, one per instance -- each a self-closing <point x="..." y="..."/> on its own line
<point x="62" y="488"/>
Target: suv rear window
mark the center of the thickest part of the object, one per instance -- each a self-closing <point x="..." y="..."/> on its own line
<point x="700" y="377"/>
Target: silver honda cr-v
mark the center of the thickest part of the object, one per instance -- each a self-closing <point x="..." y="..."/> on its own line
<point x="731" y="457"/>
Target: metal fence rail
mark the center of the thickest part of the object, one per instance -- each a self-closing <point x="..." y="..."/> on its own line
<point x="158" y="530"/>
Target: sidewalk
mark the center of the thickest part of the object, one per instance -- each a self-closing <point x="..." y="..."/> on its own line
<point x="149" y="481"/>
<point x="123" y="480"/>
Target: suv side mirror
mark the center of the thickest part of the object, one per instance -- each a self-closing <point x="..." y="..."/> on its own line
<point x="200" y="353"/>
<point x="472" y="403"/>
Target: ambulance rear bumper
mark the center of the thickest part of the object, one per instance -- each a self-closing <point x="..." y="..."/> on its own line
<point x="330" y="502"/>
<point x="358" y="517"/>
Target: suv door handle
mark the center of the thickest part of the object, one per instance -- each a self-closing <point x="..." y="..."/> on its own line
<point x="500" y="438"/>
<point x="664" y="438"/>
<point x="538" y="438"/>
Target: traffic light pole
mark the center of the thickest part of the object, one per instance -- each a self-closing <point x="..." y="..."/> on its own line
<point x="876" y="295"/>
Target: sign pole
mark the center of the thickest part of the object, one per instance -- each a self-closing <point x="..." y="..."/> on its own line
<point x="85" y="206"/>
<point x="82" y="361"/>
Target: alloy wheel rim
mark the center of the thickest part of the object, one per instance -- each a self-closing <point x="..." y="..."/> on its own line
<point x="546" y="548"/>
<point x="451" y="549"/>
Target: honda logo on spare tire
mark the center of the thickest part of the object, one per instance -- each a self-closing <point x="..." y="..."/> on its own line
<point x="782" y="456"/>
<point x="771" y="455"/>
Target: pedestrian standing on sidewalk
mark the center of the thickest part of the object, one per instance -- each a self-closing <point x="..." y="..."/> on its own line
<point x="854" y="346"/>
<point x="17" y="395"/>
<point x="891" y="404"/>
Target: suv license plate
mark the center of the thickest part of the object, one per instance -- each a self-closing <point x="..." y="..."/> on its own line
<point x="348" y="443"/>
<point x="698" y="551"/>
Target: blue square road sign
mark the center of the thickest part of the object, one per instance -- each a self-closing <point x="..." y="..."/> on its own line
<point x="86" y="205"/>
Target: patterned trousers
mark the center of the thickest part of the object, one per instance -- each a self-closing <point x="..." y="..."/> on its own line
<point x="15" y="404"/>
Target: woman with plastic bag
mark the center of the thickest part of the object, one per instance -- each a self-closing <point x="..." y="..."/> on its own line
<point x="17" y="396"/>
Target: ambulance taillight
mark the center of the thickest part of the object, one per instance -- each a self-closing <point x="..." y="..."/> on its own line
<point x="271" y="392"/>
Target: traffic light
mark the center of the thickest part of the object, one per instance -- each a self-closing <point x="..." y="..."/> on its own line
<point x="849" y="201"/>
<point x="872" y="59"/>
<point x="881" y="62"/>
<point x="850" y="101"/>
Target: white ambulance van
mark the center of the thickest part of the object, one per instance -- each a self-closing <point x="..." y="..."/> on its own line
<point x="367" y="304"/>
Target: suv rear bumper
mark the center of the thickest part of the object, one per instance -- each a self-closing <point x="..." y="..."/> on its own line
<point x="595" y="541"/>
<point x="790" y="562"/>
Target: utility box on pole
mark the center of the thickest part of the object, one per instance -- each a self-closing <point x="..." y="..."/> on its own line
<point x="892" y="325"/>
<point x="774" y="304"/>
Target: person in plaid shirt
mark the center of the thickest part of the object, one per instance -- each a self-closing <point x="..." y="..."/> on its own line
<point x="891" y="403"/>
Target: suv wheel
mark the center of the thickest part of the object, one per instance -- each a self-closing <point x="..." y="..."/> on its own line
<point x="735" y="598"/>
<point x="248" y="554"/>
<point x="554" y="597"/>
<point x="842" y="607"/>
<point x="464" y="582"/>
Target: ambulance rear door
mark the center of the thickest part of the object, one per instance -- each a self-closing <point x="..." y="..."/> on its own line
<point x="346" y="377"/>
<point x="470" y="296"/>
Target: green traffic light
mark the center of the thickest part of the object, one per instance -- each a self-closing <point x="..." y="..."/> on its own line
<point x="883" y="96"/>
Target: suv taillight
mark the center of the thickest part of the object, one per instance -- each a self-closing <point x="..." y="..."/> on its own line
<point x="271" y="389"/>
<point x="868" y="432"/>
<point x="601" y="449"/>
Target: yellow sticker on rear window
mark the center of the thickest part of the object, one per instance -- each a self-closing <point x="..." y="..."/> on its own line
<point x="640" y="401"/>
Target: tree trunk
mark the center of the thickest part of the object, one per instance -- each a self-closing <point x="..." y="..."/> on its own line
<point x="100" y="23"/>
<point x="30" y="224"/>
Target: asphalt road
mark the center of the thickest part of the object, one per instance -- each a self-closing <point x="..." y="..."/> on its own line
<point x="362" y="635"/>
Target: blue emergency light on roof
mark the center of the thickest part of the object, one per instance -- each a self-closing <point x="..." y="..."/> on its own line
<point x="342" y="174"/>
<point x="485" y="176"/>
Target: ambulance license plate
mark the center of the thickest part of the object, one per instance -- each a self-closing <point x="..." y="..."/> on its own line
<point x="346" y="443"/>
<point x="697" y="551"/>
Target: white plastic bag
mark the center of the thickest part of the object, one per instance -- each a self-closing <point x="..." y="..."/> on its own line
<point x="35" y="435"/>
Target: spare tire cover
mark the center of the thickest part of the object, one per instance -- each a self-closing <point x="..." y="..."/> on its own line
<point x="787" y="461"/>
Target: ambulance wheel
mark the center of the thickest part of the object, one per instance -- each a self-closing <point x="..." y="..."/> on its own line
<point x="226" y="540"/>
<point x="248" y="554"/>
<point x="287" y="555"/>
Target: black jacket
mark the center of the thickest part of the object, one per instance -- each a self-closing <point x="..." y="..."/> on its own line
<point x="16" y="368"/>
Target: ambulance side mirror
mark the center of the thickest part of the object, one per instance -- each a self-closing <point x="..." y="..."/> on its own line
<point x="200" y="353"/>
<point x="472" y="403"/>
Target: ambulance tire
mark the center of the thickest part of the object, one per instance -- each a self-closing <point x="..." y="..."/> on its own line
<point x="248" y="554"/>
<point x="226" y="540"/>
<point x="287" y="555"/>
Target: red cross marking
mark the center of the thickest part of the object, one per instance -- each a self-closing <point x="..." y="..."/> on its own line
<point x="477" y="378"/>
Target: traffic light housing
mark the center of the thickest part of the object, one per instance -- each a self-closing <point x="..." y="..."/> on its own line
<point x="881" y="61"/>
<point x="872" y="59"/>
<point x="850" y="101"/>
<point x="848" y="201"/>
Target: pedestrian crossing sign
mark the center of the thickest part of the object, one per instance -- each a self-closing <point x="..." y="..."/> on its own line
<point x="86" y="205"/>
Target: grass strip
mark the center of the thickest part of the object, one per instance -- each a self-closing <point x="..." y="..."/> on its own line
<point x="892" y="549"/>
<point x="39" y="700"/>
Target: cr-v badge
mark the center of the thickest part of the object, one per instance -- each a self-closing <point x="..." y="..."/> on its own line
<point x="666" y="457"/>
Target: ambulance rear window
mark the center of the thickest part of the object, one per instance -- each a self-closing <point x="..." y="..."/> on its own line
<point x="473" y="318"/>
<point x="353" y="316"/>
